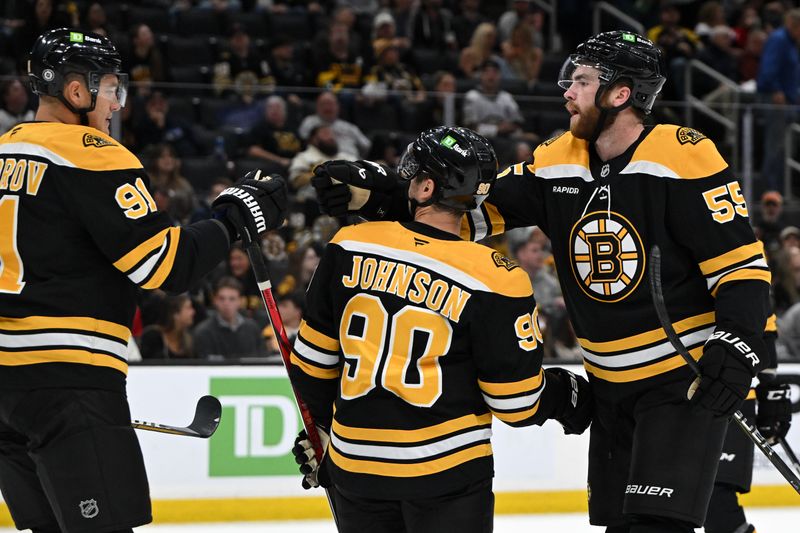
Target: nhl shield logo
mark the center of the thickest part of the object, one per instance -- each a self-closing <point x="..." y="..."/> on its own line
<point x="89" y="508"/>
<point x="607" y="256"/>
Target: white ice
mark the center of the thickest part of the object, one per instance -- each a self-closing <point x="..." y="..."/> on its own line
<point x="767" y="520"/>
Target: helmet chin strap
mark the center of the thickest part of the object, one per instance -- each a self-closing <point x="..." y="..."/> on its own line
<point x="605" y="112"/>
<point x="414" y="203"/>
<point x="82" y="112"/>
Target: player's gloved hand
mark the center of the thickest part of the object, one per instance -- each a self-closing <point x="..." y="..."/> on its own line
<point x="303" y="451"/>
<point x="577" y="409"/>
<point x="362" y="187"/>
<point x="774" y="408"/>
<point x="254" y="204"/>
<point x="727" y="368"/>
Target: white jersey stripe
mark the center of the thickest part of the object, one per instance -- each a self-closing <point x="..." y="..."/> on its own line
<point x="646" y="355"/>
<point x="479" y="221"/>
<point x="43" y="341"/>
<point x="760" y="262"/>
<point x="564" y="171"/>
<point x="410" y="453"/>
<point x="510" y="404"/>
<point x="144" y="271"/>
<point x="316" y="356"/>
<point x="650" y="168"/>
<point x="416" y="259"/>
<point x="37" y="150"/>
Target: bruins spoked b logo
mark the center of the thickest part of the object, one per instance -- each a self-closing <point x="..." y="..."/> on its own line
<point x="607" y="256"/>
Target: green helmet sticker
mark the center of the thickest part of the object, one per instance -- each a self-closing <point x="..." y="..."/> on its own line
<point x="76" y="37"/>
<point x="629" y="37"/>
<point x="448" y="142"/>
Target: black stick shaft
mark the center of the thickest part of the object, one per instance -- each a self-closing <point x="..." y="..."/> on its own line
<point x="749" y="429"/>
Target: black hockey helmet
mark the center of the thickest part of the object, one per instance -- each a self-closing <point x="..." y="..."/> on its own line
<point x="58" y="53"/>
<point x="461" y="163"/>
<point x="620" y="55"/>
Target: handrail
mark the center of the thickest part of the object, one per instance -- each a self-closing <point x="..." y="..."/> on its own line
<point x="791" y="162"/>
<point x="695" y="103"/>
<point x="551" y="9"/>
<point x="618" y="14"/>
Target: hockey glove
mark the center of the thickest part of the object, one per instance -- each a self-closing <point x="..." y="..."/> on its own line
<point x="727" y="368"/>
<point x="577" y="408"/>
<point x="303" y="451"/>
<point x="254" y="204"/>
<point x="774" y="408"/>
<point x="362" y="187"/>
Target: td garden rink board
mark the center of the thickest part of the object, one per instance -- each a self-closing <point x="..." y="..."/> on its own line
<point x="246" y="470"/>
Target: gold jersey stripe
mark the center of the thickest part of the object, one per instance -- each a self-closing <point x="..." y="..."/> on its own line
<point x="495" y="219"/>
<point x="166" y="264"/>
<point x="648" y="337"/>
<point x="84" y="357"/>
<point x="520" y="415"/>
<point x="80" y="323"/>
<point x="636" y="374"/>
<point x="318" y="339"/>
<point x="132" y="258"/>
<point x="314" y="371"/>
<point x="515" y="387"/>
<point x="772" y="323"/>
<point x="743" y="274"/>
<point x="737" y="255"/>
<point x="411" y="435"/>
<point x="378" y="468"/>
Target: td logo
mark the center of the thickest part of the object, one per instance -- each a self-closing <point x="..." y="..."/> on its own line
<point x="259" y="424"/>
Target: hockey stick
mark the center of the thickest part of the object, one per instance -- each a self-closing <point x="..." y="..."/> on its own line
<point x="265" y="286"/>
<point x="205" y="422"/>
<point x="789" y="453"/>
<point x="750" y="430"/>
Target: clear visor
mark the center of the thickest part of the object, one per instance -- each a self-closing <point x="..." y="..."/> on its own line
<point x="409" y="164"/>
<point x="578" y="69"/>
<point x="108" y="88"/>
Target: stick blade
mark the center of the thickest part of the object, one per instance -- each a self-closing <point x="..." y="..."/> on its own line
<point x="206" y="417"/>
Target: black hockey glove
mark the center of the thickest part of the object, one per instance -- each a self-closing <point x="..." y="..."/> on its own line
<point x="362" y="187"/>
<point x="774" y="408"/>
<point x="254" y="204"/>
<point x="303" y="451"/>
<point x="577" y="408"/>
<point x="728" y="366"/>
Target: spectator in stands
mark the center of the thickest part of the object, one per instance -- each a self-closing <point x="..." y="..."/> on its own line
<point x="785" y="279"/>
<point x="790" y="237"/>
<point x="444" y="90"/>
<point x="469" y="64"/>
<point x="238" y="266"/>
<point x="291" y="308"/>
<point x="678" y="44"/>
<point x="747" y="21"/>
<point x="489" y="110"/>
<point x="226" y="334"/>
<point x="522" y="12"/>
<point x="383" y="27"/>
<point x="349" y="137"/>
<point x="144" y="62"/>
<point x="287" y="71"/>
<point x="94" y="20"/>
<point x="156" y="124"/>
<point x="15" y="107"/>
<point x="164" y="169"/>
<point x="203" y="210"/>
<point x="432" y="26"/>
<point x="170" y="338"/>
<point x="773" y="14"/>
<point x="240" y="69"/>
<point x="40" y="16"/>
<point x="778" y="82"/>
<point x="523" y="58"/>
<point x="750" y="58"/>
<point x="403" y="13"/>
<point x="531" y="255"/>
<point x="303" y="262"/>
<point x="483" y="45"/>
<point x="323" y="144"/>
<point x="271" y="139"/>
<point x="467" y="19"/>
<point x="719" y="54"/>
<point x="788" y="342"/>
<point x="710" y="15"/>
<point x="390" y="75"/>
<point x="768" y="221"/>
<point x="339" y="64"/>
<point x="523" y="151"/>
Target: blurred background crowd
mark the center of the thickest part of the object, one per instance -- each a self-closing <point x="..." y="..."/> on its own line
<point x="220" y="87"/>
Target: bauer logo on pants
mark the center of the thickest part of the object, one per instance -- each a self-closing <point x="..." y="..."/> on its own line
<point x="259" y="424"/>
<point x="89" y="508"/>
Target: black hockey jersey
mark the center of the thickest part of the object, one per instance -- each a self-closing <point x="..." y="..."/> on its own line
<point x="78" y="232"/>
<point x="670" y="188"/>
<point x="419" y="337"/>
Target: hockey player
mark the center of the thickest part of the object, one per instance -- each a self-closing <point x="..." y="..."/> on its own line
<point x="605" y="192"/>
<point x="79" y="231"/>
<point x="412" y="340"/>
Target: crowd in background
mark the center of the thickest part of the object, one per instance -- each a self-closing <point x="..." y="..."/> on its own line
<point x="220" y="87"/>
